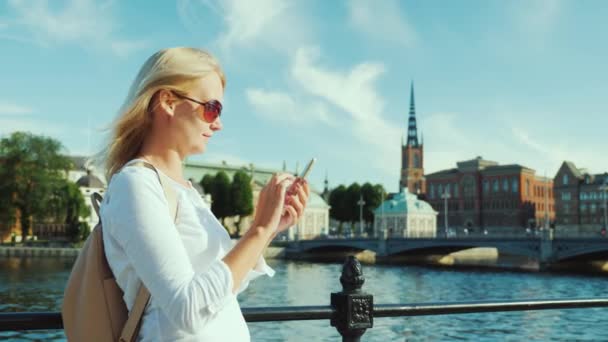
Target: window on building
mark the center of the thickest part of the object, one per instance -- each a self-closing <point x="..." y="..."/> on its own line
<point x="495" y="185"/>
<point x="486" y="186"/>
<point x="583" y="208"/>
<point x="527" y="189"/>
<point x="566" y="208"/>
<point x="456" y="190"/>
<point x="469" y="185"/>
<point x="447" y="189"/>
<point x="566" y="196"/>
<point x="440" y="190"/>
<point x="515" y="185"/>
<point x="593" y="208"/>
<point x="416" y="160"/>
<point x="565" y="179"/>
<point x="583" y="196"/>
<point x="432" y="191"/>
<point x="505" y="185"/>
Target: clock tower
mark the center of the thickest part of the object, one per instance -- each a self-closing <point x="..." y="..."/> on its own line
<point x="412" y="155"/>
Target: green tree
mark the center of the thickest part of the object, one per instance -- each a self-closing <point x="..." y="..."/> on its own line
<point x="31" y="169"/>
<point x="337" y="202"/>
<point x="221" y="205"/>
<point x="353" y="195"/>
<point x="207" y="184"/>
<point x="372" y="195"/>
<point x="76" y="209"/>
<point x="241" y="196"/>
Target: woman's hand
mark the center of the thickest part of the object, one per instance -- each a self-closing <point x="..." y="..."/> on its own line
<point x="295" y="203"/>
<point x="271" y="202"/>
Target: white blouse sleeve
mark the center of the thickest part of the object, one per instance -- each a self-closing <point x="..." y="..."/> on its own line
<point x="137" y="217"/>
<point x="261" y="268"/>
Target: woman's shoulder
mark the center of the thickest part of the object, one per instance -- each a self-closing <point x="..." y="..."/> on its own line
<point x="133" y="178"/>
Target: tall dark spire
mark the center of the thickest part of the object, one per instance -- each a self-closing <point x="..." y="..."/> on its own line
<point x="412" y="131"/>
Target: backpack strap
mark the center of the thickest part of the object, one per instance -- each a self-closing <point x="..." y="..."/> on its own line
<point x="131" y="328"/>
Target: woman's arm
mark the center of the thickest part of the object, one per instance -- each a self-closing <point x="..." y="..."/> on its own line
<point x="273" y="214"/>
<point x="136" y="216"/>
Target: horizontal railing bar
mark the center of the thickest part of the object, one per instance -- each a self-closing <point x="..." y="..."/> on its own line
<point x="18" y="321"/>
<point x="427" y="309"/>
<point x="287" y="313"/>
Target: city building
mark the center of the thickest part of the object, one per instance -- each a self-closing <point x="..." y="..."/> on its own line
<point x="404" y="215"/>
<point x="314" y="223"/>
<point x="580" y="197"/>
<point x="480" y="194"/>
<point x="89" y="179"/>
<point x="412" y="155"/>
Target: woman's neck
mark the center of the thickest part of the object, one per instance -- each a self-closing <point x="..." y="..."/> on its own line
<point x="167" y="160"/>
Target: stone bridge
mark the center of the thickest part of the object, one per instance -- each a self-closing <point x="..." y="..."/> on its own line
<point x="544" y="249"/>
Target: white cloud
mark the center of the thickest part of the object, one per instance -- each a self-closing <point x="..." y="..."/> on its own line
<point x="278" y="24"/>
<point x="354" y="93"/>
<point x="12" y="124"/>
<point x="14" y="109"/>
<point x="82" y="22"/>
<point x="537" y="17"/>
<point x="381" y="20"/>
<point x="548" y="154"/>
<point x="282" y="107"/>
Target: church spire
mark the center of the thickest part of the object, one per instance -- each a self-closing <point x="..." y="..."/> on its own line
<point x="412" y="131"/>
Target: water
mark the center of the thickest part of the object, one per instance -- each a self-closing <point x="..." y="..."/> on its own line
<point x="36" y="284"/>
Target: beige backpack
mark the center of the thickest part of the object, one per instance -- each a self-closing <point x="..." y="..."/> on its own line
<point x="93" y="307"/>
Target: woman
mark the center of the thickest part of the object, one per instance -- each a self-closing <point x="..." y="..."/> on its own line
<point x="190" y="267"/>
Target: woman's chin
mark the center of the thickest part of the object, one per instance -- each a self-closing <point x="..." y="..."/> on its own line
<point x="198" y="149"/>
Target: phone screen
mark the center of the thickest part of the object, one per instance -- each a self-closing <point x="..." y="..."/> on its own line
<point x="308" y="167"/>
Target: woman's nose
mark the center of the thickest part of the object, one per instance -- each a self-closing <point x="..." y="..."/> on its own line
<point x="217" y="124"/>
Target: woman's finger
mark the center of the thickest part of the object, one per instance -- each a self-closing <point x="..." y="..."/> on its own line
<point x="303" y="194"/>
<point x="278" y="178"/>
<point x="293" y="215"/>
<point x="297" y="205"/>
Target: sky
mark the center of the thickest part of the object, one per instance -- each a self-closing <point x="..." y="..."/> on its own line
<point x="512" y="81"/>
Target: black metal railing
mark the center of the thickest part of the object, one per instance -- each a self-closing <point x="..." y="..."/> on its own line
<point x="351" y="311"/>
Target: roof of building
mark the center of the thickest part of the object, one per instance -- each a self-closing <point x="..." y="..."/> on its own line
<point x="404" y="203"/>
<point x="477" y="163"/>
<point x="585" y="177"/>
<point x="90" y="181"/>
<point x="448" y="172"/>
<point x="197" y="170"/>
<point x="316" y="201"/>
<point x="573" y="169"/>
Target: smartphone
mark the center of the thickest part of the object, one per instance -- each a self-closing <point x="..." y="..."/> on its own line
<point x="307" y="169"/>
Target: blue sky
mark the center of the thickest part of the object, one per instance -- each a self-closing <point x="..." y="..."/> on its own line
<point x="513" y="81"/>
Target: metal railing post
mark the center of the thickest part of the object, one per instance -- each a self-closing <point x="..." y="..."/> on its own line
<point x="353" y="309"/>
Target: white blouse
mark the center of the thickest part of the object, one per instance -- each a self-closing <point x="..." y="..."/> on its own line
<point x="181" y="264"/>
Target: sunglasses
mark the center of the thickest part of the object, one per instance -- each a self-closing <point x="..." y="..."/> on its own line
<point x="208" y="111"/>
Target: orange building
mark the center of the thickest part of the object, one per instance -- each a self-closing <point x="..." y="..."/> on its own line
<point x="412" y="155"/>
<point x="482" y="194"/>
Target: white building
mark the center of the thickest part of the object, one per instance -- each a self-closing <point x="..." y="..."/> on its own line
<point x="405" y="215"/>
<point x="314" y="222"/>
<point x="89" y="179"/>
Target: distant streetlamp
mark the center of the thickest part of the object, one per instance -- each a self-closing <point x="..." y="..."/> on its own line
<point x="604" y="188"/>
<point x="361" y="203"/>
<point x="445" y="196"/>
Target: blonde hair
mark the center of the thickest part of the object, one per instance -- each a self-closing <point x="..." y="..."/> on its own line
<point x="171" y="69"/>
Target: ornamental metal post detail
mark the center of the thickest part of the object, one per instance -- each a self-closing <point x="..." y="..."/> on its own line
<point x="352" y="308"/>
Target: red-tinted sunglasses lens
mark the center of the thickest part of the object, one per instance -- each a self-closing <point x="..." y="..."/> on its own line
<point x="213" y="109"/>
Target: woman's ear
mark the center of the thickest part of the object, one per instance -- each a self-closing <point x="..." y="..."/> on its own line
<point x="166" y="102"/>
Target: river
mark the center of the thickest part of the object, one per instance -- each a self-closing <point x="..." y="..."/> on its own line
<point x="36" y="284"/>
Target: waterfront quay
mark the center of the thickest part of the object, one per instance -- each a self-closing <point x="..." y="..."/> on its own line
<point x="535" y="251"/>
